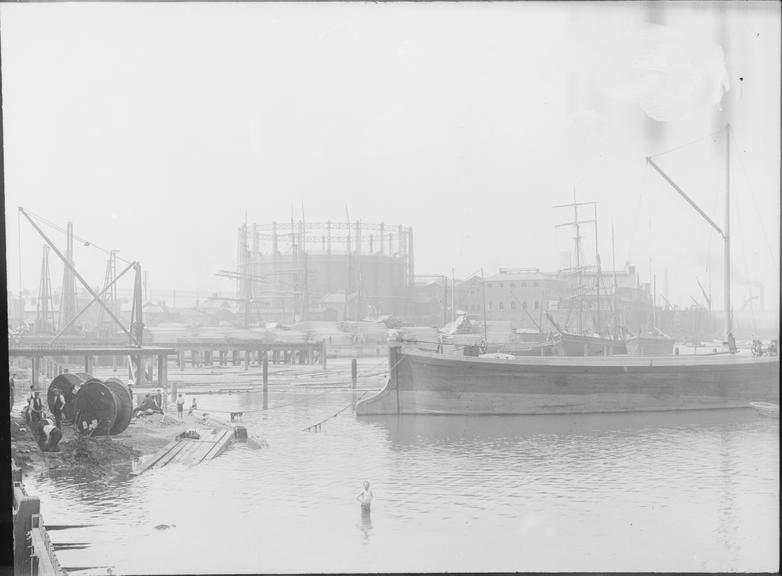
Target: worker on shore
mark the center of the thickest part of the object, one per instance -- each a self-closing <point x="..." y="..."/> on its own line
<point x="36" y="408"/>
<point x="147" y="406"/>
<point x="57" y="407"/>
<point x="193" y="407"/>
<point x="732" y="343"/>
<point x="365" y="498"/>
<point x="180" y="406"/>
<point x="49" y="436"/>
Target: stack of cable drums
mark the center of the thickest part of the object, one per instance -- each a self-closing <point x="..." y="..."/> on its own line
<point x="103" y="407"/>
<point x="68" y="384"/>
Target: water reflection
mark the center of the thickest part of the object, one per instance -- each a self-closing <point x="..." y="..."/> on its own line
<point x="366" y="523"/>
<point x="657" y="491"/>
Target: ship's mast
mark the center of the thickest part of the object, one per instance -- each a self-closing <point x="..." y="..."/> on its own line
<point x="728" y="319"/>
<point x="613" y="266"/>
<point x="576" y="223"/>
<point x="724" y="233"/>
<point x="597" y="263"/>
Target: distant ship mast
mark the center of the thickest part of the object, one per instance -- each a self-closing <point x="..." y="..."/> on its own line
<point x="576" y="223"/>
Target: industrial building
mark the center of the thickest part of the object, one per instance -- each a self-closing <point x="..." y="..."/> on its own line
<point x="298" y="271"/>
<point x="524" y="296"/>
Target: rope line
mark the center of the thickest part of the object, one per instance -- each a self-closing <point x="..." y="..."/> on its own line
<point x="317" y="425"/>
<point x="716" y="132"/>
<point x="253" y="410"/>
<point x="84" y="241"/>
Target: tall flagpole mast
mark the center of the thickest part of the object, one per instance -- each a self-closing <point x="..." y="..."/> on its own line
<point x="728" y="319"/>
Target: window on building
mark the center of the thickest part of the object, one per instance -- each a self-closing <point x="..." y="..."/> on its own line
<point x="523" y="284"/>
<point x="535" y="284"/>
<point x="488" y="306"/>
<point x="502" y="306"/>
<point x="501" y="284"/>
<point x="513" y="305"/>
<point x="488" y="285"/>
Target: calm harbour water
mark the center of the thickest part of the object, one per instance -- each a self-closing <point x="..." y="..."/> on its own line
<point x="692" y="491"/>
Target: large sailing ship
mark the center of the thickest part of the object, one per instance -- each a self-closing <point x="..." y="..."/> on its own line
<point x="430" y="383"/>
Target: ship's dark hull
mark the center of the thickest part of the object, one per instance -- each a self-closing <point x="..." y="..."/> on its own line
<point x="428" y="383"/>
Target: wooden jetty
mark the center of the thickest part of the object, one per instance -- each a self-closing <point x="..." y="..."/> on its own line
<point x="34" y="553"/>
<point x="189" y="451"/>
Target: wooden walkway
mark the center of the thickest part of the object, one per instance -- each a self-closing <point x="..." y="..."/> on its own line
<point x="189" y="451"/>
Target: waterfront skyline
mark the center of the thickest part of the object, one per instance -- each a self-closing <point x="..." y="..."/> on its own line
<point x="162" y="148"/>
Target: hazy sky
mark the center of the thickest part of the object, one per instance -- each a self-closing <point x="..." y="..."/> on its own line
<point x="156" y="128"/>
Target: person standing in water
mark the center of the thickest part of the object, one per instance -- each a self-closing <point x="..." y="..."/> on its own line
<point x="365" y="498"/>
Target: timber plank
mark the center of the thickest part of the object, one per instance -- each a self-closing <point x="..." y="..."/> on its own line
<point x="155" y="458"/>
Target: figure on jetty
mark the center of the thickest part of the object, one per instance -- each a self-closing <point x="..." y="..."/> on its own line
<point x="180" y="406"/>
<point x="148" y="406"/>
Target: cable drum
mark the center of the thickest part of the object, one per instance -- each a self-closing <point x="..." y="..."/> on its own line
<point x="124" y="405"/>
<point x="96" y="408"/>
<point x="68" y="384"/>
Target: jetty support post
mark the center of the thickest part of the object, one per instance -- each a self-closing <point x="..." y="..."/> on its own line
<point x="36" y="367"/>
<point x="162" y="371"/>
<point x="265" y="381"/>
<point x="353" y="379"/>
<point x="323" y="352"/>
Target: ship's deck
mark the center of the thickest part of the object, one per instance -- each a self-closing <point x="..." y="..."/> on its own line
<point x="694" y="360"/>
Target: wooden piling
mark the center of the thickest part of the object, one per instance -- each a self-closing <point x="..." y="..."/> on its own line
<point x="353" y="373"/>
<point x="265" y="381"/>
<point x="36" y="369"/>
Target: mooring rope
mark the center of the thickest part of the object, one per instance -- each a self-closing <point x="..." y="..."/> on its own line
<point x="317" y="425"/>
<point x="253" y="410"/>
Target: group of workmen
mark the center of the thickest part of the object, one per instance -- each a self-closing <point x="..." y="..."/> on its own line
<point x="47" y="430"/>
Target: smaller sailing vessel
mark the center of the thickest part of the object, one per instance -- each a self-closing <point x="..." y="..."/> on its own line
<point x="568" y="344"/>
<point x="583" y="342"/>
<point x="650" y="344"/>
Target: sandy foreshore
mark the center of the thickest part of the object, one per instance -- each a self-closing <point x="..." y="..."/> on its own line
<point x="144" y="436"/>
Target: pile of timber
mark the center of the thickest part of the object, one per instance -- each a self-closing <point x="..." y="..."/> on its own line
<point x="323" y="331"/>
<point x="425" y="337"/>
<point x="366" y="332"/>
<point x="189" y="451"/>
